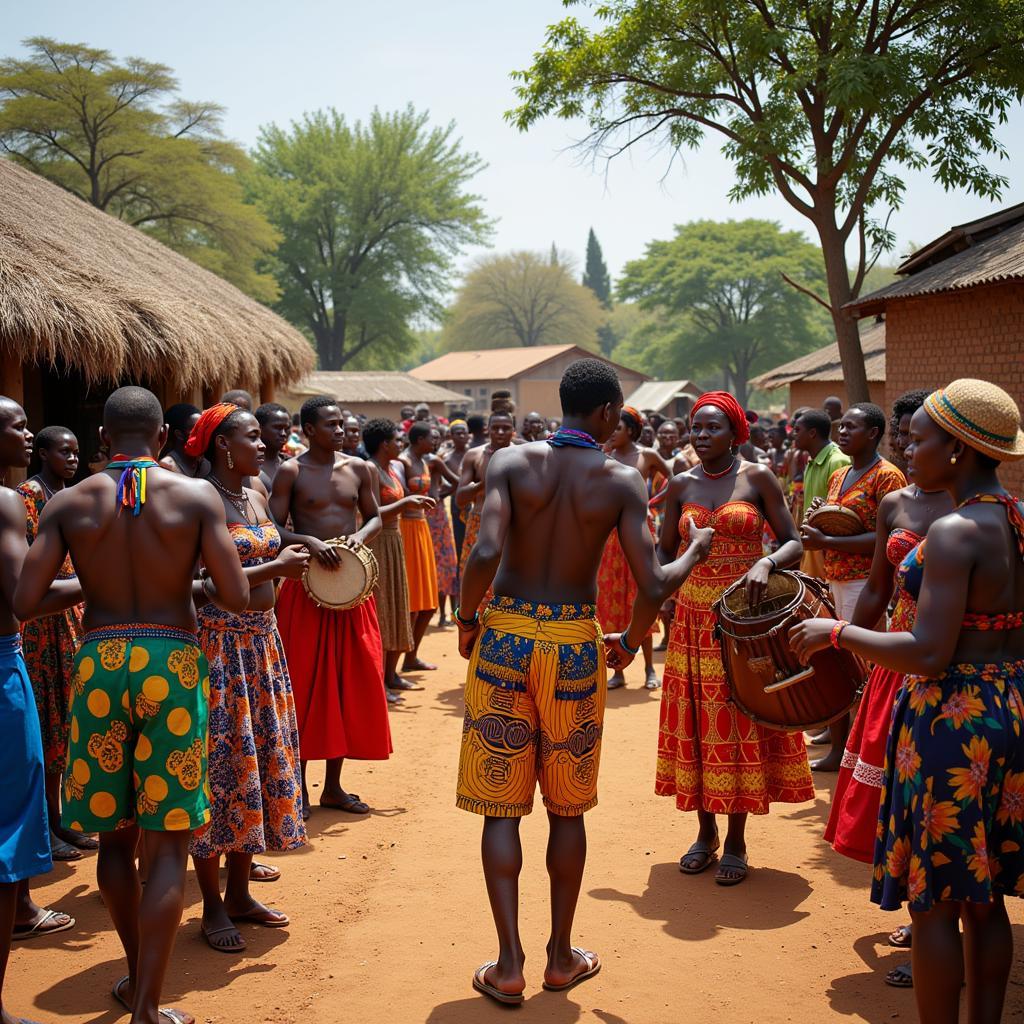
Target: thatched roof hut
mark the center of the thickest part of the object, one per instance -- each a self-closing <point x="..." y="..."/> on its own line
<point x="88" y="303"/>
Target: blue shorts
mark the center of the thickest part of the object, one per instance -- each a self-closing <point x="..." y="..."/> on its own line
<point x="24" y="830"/>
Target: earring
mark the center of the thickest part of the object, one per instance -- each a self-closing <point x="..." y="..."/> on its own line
<point x="952" y="460"/>
<point x="231" y="461"/>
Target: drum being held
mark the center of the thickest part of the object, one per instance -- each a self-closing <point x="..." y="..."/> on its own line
<point x="766" y="679"/>
<point x="347" y="585"/>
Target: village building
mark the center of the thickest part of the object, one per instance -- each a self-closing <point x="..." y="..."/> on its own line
<point x="373" y="393"/>
<point x="531" y="374"/>
<point x="671" y="398"/>
<point x="89" y="303"/>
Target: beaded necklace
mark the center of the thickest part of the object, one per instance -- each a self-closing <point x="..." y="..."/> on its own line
<point x="565" y="437"/>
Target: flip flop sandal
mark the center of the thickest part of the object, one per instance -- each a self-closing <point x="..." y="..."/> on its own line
<point x="37" y="930"/>
<point x="730" y="862"/>
<point x="593" y="962"/>
<point x="900" y="977"/>
<point x="209" y="934"/>
<point x="353" y="805"/>
<point x="404" y="684"/>
<point x="116" y="992"/>
<point x="904" y="940"/>
<point x="269" y="872"/>
<point x="59" y="850"/>
<point x="616" y="682"/>
<point x="484" y="988"/>
<point x="699" y="849"/>
<point x="266" y="917"/>
<point x="652" y="684"/>
<point x="171" y="1016"/>
<point x="86" y="843"/>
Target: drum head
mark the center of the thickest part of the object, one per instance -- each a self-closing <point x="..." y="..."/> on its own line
<point x="342" y="587"/>
<point x="782" y="589"/>
<point x="835" y="521"/>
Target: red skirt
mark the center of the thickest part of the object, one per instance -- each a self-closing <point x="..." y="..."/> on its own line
<point x="853" y="819"/>
<point x="336" y="667"/>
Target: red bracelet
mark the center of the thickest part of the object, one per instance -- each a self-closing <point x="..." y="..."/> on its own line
<point x="837" y="632"/>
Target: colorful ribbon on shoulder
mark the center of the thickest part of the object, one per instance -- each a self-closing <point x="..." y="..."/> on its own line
<point x="131" y="486"/>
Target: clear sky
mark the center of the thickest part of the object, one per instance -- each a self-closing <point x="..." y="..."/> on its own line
<point x="271" y="61"/>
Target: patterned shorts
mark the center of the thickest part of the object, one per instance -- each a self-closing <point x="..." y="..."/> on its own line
<point x="535" y="699"/>
<point x="137" y="751"/>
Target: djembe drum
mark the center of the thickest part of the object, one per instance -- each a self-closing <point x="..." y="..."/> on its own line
<point x="344" y="586"/>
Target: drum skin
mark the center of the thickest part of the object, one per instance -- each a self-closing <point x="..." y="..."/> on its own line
<point x="767" y="681"/>
<point x="347" y="586"/>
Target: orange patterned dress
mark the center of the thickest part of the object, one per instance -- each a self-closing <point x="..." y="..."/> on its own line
<point x="616" y="588"/>
<point x="711" y="757"/>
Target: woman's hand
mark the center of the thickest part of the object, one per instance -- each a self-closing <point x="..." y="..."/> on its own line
<point x="291" y="561"/>
<point x="757" y="581"/>
<point x="420" y="501"/>
<point x="813" y="540"/>
<point x="810" y="636"/>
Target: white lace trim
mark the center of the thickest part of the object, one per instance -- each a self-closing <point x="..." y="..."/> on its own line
<point x="868" y="774"/>
<point x="849" y="759"/>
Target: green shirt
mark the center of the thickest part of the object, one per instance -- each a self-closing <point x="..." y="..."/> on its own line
<point x="819" y="469"/>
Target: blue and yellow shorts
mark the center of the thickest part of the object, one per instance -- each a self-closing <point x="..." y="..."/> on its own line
<point x="137" y="753"/>
<point x="535" y="699"/>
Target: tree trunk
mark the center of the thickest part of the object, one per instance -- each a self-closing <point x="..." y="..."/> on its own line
<point x="847" y="335"/>
<point x="331" y="345"/>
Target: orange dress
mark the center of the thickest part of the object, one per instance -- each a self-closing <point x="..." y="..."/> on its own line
<point x="712" y="757"/>
<point x="420" y="565"/>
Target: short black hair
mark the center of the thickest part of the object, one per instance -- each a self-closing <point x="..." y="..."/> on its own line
<point x="418" y="431"/>
<point x="874" y="416"/>
<point x="908" y="403"/>
<point x="133" y="410"/>
<point x="633" y="425"/>
<point x="268" y="409"/>
<point x="817" y="420"/>
<point x="310" y="411"/>
<point x="501" y="412"/>
<point x="50" y="436"/>
<point x="177" y="417"/>
<point x="376" y="432"/>
<point x="238" y="396"/>
<point x="475" y="423"/>
<point x="586" y="385"/>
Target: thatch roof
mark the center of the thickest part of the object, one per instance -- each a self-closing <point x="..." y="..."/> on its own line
<point x="80" y="287"/>
<point x="824" y="364"/>
<point x="360" y="386"/>
<point x="985" y="251"/>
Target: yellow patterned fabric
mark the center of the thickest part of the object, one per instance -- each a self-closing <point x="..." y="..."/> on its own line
<point x="535" y="698"/>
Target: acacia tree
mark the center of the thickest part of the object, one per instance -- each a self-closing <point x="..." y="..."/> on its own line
<point x="522" y="299"/>
<point x="721" y="287"/>
<point x="372" y="216"/>
<point x="115" y="135"/>
<point x="826" y="102"/>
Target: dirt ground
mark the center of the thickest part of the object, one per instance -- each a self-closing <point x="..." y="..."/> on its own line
<point x="389" y="914"/>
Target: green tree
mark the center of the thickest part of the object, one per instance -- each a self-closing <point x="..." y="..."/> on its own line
<point x="372" y="216"/>
<point x="827" y="102"/>
<point x="522" y="299"/>
<point x="115" y="135"/>
<point x="721" y="286"/>
<point x="595" y="273"/>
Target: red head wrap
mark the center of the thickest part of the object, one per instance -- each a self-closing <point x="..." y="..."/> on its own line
<point x="207" y="424"/>
<point x="732" y="409"/>
<point x="630" y="413"/>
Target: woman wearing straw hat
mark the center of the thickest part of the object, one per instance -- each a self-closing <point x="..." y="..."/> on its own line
<point x="951" y="821"/>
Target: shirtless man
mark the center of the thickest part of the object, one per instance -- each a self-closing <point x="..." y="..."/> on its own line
<point x="24" y="832"/>
<point x="538" y="715"/>
<point x="180" y="420"/>
<point x="334" y="656"/>
<point x="140" y="693"/>
<point x="353" y="441"/>
<point x="501" y="429"/>
<point x="458" y="431"/>
<point x="534" y="427"/>
<point x="275" y="424"/>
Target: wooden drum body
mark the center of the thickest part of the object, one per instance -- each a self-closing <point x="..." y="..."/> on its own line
<point x="347" y="586"/>
<point x="767" y="681"/>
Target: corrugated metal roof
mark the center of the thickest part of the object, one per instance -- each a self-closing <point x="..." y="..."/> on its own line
<point x="656" y="394"/>
<point x="824" y="364"/>
<point x="373" y="386"/>
<point x="503" y="363"/>
<point x="998" y="257"/>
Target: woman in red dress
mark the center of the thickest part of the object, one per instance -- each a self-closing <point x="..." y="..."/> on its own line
<point x="711" y="757"/>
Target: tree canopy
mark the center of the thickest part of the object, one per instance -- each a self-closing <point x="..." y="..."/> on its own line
<point x="371" y="217"/>
<point x="827" y="102"/>
<point x="521" y="298"/>
<point x="115" y="135"/>
<point x="718" y="299"/>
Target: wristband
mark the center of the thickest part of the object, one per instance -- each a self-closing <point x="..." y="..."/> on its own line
<point x="837" y="632"/>
<point x="624" y="643"/>
<point x="772" y="560"/>
<point x="463" y="623"/>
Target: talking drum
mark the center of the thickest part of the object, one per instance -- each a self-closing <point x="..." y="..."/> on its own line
<point x="835" y="521"/>
<point x="767" y="681"/>
<point x="345" y="586"/>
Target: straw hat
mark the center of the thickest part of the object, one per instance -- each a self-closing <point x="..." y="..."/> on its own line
<point x="982" y="415"/>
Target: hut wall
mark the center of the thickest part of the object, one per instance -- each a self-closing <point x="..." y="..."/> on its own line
<point x="813" y="393"/>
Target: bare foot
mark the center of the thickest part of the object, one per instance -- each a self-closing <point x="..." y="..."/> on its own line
<point x="417" y="665"/>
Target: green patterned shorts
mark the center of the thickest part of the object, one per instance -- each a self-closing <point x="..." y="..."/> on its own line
<point x="137" y="750"/>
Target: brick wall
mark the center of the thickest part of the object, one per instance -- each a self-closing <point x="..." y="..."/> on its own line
<point x="814" y="392"/>
<point x="934" y="339"/>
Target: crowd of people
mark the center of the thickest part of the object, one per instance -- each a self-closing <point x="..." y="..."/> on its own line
<point x="166" y="675"/>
